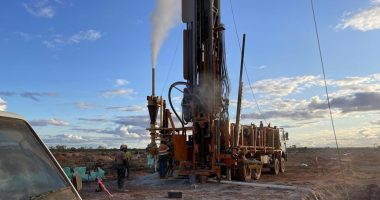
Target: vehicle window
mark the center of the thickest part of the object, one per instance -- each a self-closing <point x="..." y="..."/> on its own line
<point x="26" y="169"/>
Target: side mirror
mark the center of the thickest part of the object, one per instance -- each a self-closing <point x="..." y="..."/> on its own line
<point x="286" y="136"/>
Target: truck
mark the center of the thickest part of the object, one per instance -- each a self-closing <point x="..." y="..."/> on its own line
<point x="207" y="142"/>
<point x="28" y="170"/>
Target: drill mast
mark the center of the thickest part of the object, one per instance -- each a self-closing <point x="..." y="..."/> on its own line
<point x="207" y="143"/>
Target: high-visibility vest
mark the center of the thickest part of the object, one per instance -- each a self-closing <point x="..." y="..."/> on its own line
<point x="128" y="154"/>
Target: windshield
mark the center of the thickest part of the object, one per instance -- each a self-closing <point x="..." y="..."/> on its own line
<point x="26" y="170"/>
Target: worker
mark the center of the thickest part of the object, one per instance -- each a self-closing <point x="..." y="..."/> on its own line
<point x="121" y="165"/>
<point x="150" y="161"/>
<point x="128" y="154"/>
<point x="152" y="150"/>
<point x="150" y="153"/>
<point x="163" y="155"/>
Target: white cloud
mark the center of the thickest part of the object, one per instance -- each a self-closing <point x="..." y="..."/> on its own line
<point x="376" y="77"/>
<point x="55" y="42"/>
<point x="375" y="1"/>
<point x="106" y="132"/>
<point x="262" y="67"/>
<point x="89" y="35"/>
<point x="58" y="40"/>
<point x="365" y="20"/>
<point x="118" y="92"/>
<point x="83" y="105"/>
<point x="296" y="115"/>
<point x="347" y="137"/>
<point x="131" y="108"/>
<point x="245" y="103"/>
<point x="110" y="141"/>
<point x="40" y="8"/>
<point x="48" y="122"/>
<point x="64" y="139"/>
<point x="351" y="85"/>
<point x="348" y="96"/>
<point x="24" y="35"/>
<point x="123" y="131"/>
<point x="349" y="81"/>
<point x="136" y="120"/>
<point x="121" y="82"/>
<point x="316" y="107"/>
<point x="357" y="102"/>
<point x="284" y="86"/>
<point x="3" y="105"/>
<point x="72" y="138"/>
<point x="27" y="36"/>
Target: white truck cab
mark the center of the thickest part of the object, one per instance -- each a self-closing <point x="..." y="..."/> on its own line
<point x="28" y="170"/>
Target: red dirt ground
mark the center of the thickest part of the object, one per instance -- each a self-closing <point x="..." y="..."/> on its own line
<point x="316" y="172"/>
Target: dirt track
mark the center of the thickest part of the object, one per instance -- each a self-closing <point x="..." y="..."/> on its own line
<point x="316" y="171"/>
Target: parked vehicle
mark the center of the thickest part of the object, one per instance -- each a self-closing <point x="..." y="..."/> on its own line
<point x="28" y="170"/>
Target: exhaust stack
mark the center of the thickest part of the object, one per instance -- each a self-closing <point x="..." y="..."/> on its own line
<point x="153" y="80"/>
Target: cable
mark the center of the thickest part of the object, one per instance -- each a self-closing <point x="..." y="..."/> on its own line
<point x="245" y="69"/>
<point x="171" y="63"/>
<point x="327" y="93"/>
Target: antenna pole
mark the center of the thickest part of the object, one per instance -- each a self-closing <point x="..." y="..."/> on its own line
<point x="238" y="110"/>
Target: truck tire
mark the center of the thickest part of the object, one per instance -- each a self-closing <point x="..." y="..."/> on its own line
<point x="282" y="165"/>
<point x="256" y="173"/>
<point x="245" y="173"/>
<point x="276" y="166"/>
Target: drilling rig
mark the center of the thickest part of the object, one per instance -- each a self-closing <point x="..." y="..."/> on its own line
<point x="207" y="143"/>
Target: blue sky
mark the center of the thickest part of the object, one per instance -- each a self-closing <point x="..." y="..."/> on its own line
<point x="80" y="70"/>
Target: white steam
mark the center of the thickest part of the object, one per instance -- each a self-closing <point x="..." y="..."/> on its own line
<point x="3" y="105"/>
<point x="165" y="16"/>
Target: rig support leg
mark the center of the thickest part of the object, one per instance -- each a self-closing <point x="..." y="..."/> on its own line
<point x="228" y="173"/>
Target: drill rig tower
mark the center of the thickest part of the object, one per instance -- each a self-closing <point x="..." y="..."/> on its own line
<point x="207" y="144"/>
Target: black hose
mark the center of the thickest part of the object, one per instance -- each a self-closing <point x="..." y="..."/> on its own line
<point x="170" y="99"/>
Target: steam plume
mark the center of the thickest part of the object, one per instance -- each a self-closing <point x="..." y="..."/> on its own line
<point x="165" y="16"/>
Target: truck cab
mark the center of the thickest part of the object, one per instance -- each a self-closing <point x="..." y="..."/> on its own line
<point x="28" y="170"/>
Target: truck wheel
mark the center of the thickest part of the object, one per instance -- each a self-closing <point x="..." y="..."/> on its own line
<point x="256" y="173"/>
<point x="245" y="173"/>
<point x="282" y="165"/>
<point x="276" y="166"/>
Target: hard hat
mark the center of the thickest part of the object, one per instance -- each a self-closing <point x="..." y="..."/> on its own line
<point x="123" y="146"/>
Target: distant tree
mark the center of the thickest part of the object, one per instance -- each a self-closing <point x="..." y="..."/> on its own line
<point x="60" y="147"/>
<point x="72" y="148"/>
<point x="81" y="148"/>
<point x="51" y="147"/>
<point x="102" y="147"/>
